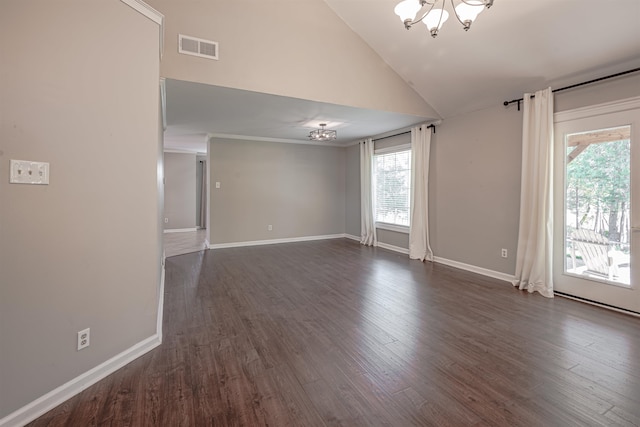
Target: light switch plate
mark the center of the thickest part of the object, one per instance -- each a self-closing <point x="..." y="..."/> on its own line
<point x="27" y="172"/>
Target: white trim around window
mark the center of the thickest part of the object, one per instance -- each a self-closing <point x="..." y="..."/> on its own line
<point x="394" y="149"/>
<point x="392" y="227"/>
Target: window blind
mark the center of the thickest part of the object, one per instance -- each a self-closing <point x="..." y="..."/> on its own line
<point x="392" y="174"/>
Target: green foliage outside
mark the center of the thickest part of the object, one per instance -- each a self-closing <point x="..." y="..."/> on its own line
<point x="598" y="191"/>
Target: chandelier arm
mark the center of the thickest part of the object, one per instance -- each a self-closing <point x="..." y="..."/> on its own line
<point x="453" y="6"/>
<point x="415" y="21"/>
<point x="485" y="3"/>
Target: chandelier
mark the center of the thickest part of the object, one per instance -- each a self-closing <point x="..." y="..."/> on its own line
<point x="322" y="134"/>
<point x="433" y="15"/>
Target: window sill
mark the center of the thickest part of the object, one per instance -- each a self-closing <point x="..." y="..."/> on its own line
<point x="393" y="227"/>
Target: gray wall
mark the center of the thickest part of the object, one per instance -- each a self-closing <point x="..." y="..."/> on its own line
<point x="605" y="91"/>
<point x="475" y="177"/>
<point x="82" y="251"/>
<point x="393" y="238"/>
<point x="474" y="186"/>
<point x="475" y="168"/>
<point x="298" y="189"/>
<point x="180" y="190"/>
<point x="288" y="65"/>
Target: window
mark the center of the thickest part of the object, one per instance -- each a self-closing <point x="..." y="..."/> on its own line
<point x="392" y="186"/>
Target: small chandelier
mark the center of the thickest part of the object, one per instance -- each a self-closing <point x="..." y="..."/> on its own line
<point x="322" y="134"/>
<point x="433" y="17"/>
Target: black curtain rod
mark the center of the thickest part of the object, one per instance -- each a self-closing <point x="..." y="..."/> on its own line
<point x="433" y="127"/>
<point x="391" y="136"/>
<point x="505" y="103"/>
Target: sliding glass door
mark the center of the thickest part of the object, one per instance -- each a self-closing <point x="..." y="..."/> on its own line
<point x="596" y="205"/>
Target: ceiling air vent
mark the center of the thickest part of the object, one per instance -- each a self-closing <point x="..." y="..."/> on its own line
<point x="197" y="47"/>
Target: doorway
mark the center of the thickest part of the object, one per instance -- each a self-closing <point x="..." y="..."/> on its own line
<point x="596" y="204"/>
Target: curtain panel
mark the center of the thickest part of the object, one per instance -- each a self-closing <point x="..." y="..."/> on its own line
<point x="367" y="214"/>
<point x="419" y="247"/>
<point x="535" y="236"/>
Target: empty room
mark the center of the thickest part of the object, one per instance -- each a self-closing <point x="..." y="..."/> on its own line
<point x="319" y="212"/>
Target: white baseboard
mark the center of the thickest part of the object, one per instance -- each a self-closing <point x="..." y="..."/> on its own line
<point x="392" y="248"/>
<point x="45" y="403"/>
<point x="472" y="268"/>
<point x="180" y="230"/>
<point x="274" y="241"/>
<point x="57" y="396"/>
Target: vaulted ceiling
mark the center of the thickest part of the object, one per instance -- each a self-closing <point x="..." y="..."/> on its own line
<point x="516" y="46"/>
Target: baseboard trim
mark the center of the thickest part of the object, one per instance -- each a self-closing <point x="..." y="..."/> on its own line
<point x="180" y="230"/>
<point x="468" y="267"/>
<point x="45" y="403"/>
<point x="392" y="248"/>
<point x="274" y="241"/>
<point x="472" y="268"/>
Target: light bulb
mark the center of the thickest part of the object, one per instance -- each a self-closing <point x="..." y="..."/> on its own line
<point x="434" y="20"/>
<point x="407" y="9"/>
<point x="469" y="11"/>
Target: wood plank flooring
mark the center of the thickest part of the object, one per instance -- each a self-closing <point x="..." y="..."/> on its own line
<point x="184" y="242"/>
<point x="332" y="333"/>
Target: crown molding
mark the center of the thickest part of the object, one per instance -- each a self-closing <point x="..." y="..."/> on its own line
<point x="265" y="139"/>
<point x="149" y="12"/>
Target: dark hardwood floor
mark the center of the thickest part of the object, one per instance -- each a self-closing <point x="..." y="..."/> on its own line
<point x="334" y="333"/>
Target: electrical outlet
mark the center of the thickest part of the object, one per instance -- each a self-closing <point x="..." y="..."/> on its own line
<point x="84" y="338"/>
<point x="270" y="227"/>
<point x="166" y="220"/>
<point x="504" y="253"/>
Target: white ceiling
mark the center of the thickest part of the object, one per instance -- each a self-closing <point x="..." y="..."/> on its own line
<point x="516" y="46"/>
<point x="195" y="110"/>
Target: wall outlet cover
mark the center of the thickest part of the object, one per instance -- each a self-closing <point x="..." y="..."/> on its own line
<point x="28" y="172"/>
<point x="84" y="338"/>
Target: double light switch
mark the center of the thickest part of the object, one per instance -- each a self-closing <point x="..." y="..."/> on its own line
<point x="26" y="172"/>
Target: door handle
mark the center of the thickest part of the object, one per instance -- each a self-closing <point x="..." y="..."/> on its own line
<point x="635" y="229"/>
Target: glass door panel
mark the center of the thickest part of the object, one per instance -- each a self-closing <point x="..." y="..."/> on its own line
<point x="597" y="203"/>
<point x="596" y="182"/>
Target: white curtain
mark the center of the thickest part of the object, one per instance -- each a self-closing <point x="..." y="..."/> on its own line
<point x="367" y="215"/>
<point x="419" y="247"/>
<point x="535" y="236"/>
